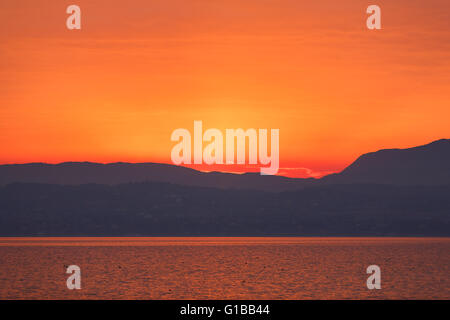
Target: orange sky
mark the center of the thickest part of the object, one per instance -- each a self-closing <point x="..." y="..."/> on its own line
<point x="138" y="69"/>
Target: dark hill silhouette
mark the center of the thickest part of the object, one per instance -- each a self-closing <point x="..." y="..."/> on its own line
<point x="424" y="165"/>
<point x="385" y="193"/>
<point x="77" y="173"/>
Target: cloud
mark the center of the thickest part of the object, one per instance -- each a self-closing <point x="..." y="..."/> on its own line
<point x="302" y="172"/>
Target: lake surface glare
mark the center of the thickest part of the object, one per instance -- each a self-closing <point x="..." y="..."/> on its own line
<point x="225" y="268"/>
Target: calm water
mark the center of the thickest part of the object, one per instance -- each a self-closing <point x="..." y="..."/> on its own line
<point x="225" y="268"/>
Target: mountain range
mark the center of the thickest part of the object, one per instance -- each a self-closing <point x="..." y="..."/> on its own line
<point x="395" y="192"/>
<point x="423" y="165"/>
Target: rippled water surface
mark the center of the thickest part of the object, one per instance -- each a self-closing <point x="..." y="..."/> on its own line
<point x="224" y="268"/>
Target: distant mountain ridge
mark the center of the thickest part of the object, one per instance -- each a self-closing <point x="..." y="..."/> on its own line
<point x="78" y="173"/>
<point x="424" y="165"/>
<point x="397" y="192"/>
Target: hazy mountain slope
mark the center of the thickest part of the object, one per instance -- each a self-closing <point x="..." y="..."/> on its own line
<point x="423" y="165"/>
<point x="76" y="173"/>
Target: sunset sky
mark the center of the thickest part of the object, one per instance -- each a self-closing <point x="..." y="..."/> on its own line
<point x="139" y="69"/>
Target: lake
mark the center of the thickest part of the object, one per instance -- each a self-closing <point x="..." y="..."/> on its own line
<point x="225" y="268"/>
